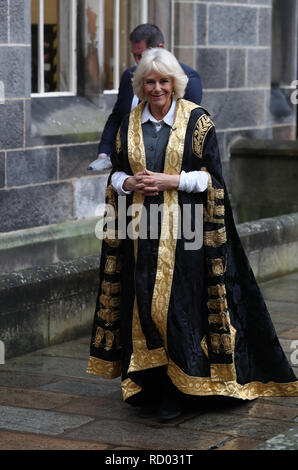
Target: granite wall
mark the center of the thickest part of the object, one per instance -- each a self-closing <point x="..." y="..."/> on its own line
<point x="229" y="43"/>
<point x="46" y="144"/>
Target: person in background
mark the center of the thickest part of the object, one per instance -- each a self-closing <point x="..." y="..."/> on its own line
<point x="143" y="37"/>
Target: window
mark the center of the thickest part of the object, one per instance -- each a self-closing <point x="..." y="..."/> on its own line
<point x="120" y="18"/>
<point x="53" y="29"/>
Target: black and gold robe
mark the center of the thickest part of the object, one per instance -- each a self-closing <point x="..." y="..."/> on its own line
<point x="197" y="312"/>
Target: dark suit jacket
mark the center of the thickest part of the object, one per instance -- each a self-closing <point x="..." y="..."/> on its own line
<point x="122" y="106"/>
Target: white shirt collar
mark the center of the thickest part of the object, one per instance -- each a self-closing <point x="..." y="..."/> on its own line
<point x="167" y="119"/>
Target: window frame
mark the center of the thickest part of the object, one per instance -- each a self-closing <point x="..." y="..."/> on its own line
<point x="116" y="42"/>
<point x="73" y="59"/>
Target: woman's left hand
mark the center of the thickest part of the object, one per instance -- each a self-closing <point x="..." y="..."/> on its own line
<point x="161" y="181"/>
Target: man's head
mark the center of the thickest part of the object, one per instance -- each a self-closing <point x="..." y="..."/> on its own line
<point x="144" y="37"/>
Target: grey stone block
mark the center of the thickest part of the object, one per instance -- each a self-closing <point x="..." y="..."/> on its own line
<point x="258" y="67"/>
<point x="15" y="71"/>
<point x="2" y="170"/>
<point x="265" y="26"/>
<point x="20" y="22"/>
<point x="25" y="330"/>
<point x="201" y="24"/>
<point x="3" y="21"/>
<point x="285" y="441"/>
<point x="39" y="421"/>
<point x="74" y="160"/>
<point x="232" y="25"/>
<point x="31" y="166"/>
<point x="236" y="68"/>
<point x="212" y="65"/>
<point x="35" y="205"/>
<point x="235" y="108"/>
<point x="184" y="14"/>
<point x="89" y="196"/>
<point x="12" y="136"/>
<point x="261" y="2"/>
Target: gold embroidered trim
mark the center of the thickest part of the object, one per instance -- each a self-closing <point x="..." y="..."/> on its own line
<point x="216" y="267"/>
<point x="205" y="386"/>
<point x="108" y="315"/>
<point x="105" y="369"/>
<point x="108" y="301"/>
<point x="111" y="265"/>
<point x="169" y="229"/>
<point x="111" y="287"/>
<point x="147" y="359"/>
<point x="118" y="142"/>
<point x="215" y="237"/>
<point x="203" y="125"/>
<point x="217" y="291"/>
<point x="142" y="358"/>
<point x="129" y="388"/>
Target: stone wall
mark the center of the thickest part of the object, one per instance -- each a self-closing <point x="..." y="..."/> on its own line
<point x="45" y="144"/>
<point x="229" y="43"/>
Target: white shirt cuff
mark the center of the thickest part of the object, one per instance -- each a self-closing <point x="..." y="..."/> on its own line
<point x="118" y="179"/>
<point x="193" y="181"/>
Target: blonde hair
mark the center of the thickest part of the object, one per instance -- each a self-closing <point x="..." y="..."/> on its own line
<point x="160" y="61"/>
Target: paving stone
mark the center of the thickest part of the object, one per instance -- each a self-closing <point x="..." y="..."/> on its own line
<point x="19" y="441"/>
<point x="39" y="421"/>
<point x="239" y="443"/>
<point x="15" y="379"/>
<point x="32" y="398"/>
<point x="279" y="290"/>
<point x="285" y="441"/>
<point x="290" y="334"/>
<point x="121" y="433"/>
<point x="102" y="388"/>
<point x="288" y="401"/>
<point x="260" y="409"/>
<point x="112" y="407"/>
<point x="237" y="425"/>
<point x="65" y="367"/>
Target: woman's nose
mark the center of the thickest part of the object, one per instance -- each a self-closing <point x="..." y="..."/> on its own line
<point x="157" y="86"/>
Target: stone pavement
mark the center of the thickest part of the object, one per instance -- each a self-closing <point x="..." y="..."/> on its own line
<point x="48" y="402"/>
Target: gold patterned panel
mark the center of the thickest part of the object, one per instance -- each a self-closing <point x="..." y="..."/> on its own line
<point x="129" y="388"/>
<point x="169" y="229"/>
<point x="105" y="369"/>
<point x="202" y="386"/>
<point x="203" y="125"/>
<point x="215" y="238"/>
<point x="111" y="264"/>
<point x="98" y="337"/>
<point x="118" y="142"/>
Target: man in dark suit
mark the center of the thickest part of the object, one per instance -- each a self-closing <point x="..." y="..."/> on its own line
<point x="141" y="38"/>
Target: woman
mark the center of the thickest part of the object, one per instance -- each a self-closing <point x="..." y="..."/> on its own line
<point x="179" y="312"/>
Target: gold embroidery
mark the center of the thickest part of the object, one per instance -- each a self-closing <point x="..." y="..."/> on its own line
<point x="169" y="230"/>
<point x="216" y="267"/>
<point x="109" y="337"/>
<point x="105" y="369"/>
<point x="219" y="210"/>
<point x="109" y="302"/>
<point x="219" y="290"/>
<point x="203" y="125"/>
<point x="204" y="346"/>
<point x="98" y="337"/>
<point x="129" y="388"/>
<point x="118" y="142"/>
<point x="110" y="266"/>
<point x="109" y="316"/>
<point x="215" y="237"/>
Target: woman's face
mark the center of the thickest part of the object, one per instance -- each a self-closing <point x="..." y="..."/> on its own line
<point x="158" y="90"/>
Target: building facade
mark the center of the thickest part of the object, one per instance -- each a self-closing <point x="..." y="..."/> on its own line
<point x="60" y="65"/>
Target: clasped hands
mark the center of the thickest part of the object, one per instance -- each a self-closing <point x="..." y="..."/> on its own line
<point x="150" y="183"/>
